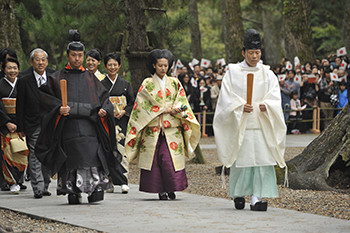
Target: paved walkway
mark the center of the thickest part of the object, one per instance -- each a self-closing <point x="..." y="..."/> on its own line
<point x="142" y="212"/>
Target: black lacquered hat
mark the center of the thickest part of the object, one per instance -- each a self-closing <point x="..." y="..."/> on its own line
<point x="252" y="40"/>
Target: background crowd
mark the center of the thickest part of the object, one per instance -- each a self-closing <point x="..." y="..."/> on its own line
<point x="321" y="84"/>
<point x="303" y="87"/>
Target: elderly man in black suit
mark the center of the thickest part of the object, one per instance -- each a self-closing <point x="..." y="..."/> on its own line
<point x="29" y="117"/>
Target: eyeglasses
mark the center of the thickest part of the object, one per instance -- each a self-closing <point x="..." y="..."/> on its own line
<point x="37" y="59"/>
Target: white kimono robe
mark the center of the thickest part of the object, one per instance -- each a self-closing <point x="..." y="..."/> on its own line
<point x="265" y="132"/>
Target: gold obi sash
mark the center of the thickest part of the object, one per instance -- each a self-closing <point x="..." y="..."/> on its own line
<point x="10" y="105"/>
<point x="119" y="103"/>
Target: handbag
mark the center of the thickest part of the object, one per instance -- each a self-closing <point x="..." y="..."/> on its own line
<point x="17" y="145"/>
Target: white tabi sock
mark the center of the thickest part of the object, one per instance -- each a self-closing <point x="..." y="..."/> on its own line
<point x="255" y="199"/>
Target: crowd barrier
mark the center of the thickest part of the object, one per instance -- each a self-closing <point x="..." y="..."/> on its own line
<point x="316" y="119"/>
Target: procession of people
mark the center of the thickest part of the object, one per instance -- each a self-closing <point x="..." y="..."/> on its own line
<point x="86" y="127"/>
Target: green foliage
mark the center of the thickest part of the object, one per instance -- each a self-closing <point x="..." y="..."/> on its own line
<point x="100" y="21"/>
<point x="210" y="26"/>
<point x="326" y="24"/>
<point x="328" y="39"/>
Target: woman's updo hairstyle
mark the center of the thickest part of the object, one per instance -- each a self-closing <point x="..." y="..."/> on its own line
<point x="95" y="53"/>
<point x="154" y="55"/>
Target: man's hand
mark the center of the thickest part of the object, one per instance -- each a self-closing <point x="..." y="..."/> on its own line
<point x="64" y="110"/>
<point x="262" y="107"/>
<point x="120" y="115"/>
<point x="102" y="113"/>
<point x="21" y="135"/>
<point x="248" y="108"/>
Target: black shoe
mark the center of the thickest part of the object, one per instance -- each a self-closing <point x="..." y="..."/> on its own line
<point x="5" y="187"/>
<point x="162" y="196"/>
<point x="27" y="177"/>
<point x="38" y="194"/>
<point x="46" y="193"/>
<point x="23" y="187"/>
<point x="239" y="203"/>
<point x="259" y="206"/>
<point x="74" y="199"/>
<point x="172" y="196"/>
<point x="96" y="195"/>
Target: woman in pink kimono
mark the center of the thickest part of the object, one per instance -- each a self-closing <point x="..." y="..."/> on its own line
<point x="162" y="129"/>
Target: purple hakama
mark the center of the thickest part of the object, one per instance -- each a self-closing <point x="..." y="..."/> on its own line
<point x="162" y="177"/>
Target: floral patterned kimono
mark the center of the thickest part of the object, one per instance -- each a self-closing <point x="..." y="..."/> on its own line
<point x="161" y="154"/>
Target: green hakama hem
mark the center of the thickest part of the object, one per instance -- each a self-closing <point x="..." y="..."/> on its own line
<point x="258" y="181"/>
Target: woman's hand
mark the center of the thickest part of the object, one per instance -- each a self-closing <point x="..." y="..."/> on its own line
<point x="102" y="113"/>
<point x="11" y="127"/>
<point x="120" y="115"/>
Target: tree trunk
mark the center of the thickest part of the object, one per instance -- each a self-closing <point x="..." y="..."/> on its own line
<point x="346" y="26"/>
<point x="9" y="36"/>
<point x="297" y="27"/>
<point x="196" y="45"/>
<point x="232" y="30"/>
<point x="156" y="16"/>
<point x="272" y="30"/>
<point x="324" y="164"/>
<point x="135" y="22"/>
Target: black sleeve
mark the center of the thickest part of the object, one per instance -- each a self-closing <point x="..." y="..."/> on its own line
<point x="20" y="102"/>
<point x="130" y="98"/>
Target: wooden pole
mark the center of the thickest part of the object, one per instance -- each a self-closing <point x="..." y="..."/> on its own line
<point x="203" y="124"/>
<point x="318" y="119"/>
<point x="63" y="85"/>
<point x="250" y="80"/>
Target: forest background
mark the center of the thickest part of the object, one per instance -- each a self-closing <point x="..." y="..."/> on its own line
<point x="307" y="29"/>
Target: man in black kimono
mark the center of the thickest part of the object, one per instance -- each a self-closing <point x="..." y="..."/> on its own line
<point x="78" y="141"/>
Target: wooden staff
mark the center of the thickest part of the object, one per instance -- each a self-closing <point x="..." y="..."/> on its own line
<point x="318" y="120"/>
<point x="63" y="84"/>
<point x="203" y="124"/>
<point x="250" y="79"/>
<point x="314" y="123"/>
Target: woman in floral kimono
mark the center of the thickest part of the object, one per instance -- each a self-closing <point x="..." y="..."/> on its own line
<point x="162" y="129"/>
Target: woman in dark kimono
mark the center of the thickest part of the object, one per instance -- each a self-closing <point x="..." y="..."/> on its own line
<point x="122" y="97"/>
<point x="13" y="163"/>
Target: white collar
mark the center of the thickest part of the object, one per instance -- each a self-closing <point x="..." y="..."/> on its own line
<point x="37" y="76"/>
<point x="112" y="80"/>
<point x="12" y="84"/>
<point x="161" y="81"/>
<point x="245" y="64"/>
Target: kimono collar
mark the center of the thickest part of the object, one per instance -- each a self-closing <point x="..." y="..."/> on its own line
<point x="111" y="79"/>
<point x="12" y="84"/>
<point x="245" y="66"/>
<point x="68" y="67"/>
<point x="161" y="81"/>
<point x="113" y="82"/>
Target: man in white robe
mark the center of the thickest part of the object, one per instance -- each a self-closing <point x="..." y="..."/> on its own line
<point x="250" y="139"/>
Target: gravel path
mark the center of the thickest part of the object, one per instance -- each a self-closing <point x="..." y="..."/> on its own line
<point x="203" y="181"/>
